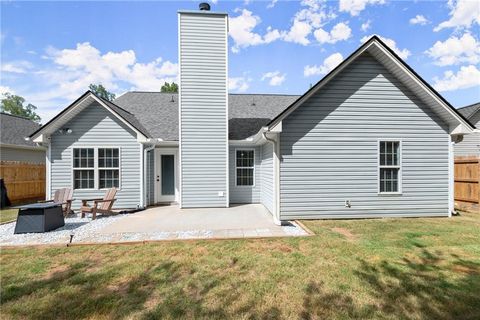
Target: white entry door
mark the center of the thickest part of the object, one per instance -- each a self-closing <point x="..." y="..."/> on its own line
<point x="166" y="175"/>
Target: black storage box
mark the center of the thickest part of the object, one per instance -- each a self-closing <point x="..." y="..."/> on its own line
<point x="39" y="217"/>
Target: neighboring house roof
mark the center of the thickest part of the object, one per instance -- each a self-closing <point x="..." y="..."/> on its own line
<point x="158" y="112"/>
<point x="399" y="68"/>
<point x="14" y="129"/>
<point x="469" y="111"/>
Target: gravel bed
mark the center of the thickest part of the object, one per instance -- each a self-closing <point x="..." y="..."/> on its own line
<point x="81" y="228"/>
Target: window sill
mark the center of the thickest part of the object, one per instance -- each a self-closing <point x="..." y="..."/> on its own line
<point x="390" y="194"/>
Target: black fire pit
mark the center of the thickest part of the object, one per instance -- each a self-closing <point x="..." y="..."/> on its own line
<point x="39" y="217"/>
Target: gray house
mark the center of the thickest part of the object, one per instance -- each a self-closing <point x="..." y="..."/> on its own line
<point x="13" y="146"/>
<point x="371" y="139"/>
<point x="470" y="144"/>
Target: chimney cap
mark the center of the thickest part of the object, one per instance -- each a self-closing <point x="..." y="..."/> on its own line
<point x="204" y="6"/>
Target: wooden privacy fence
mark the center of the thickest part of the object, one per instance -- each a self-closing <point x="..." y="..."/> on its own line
<point x="467" y="183"/>
<point x="24" y="181"/>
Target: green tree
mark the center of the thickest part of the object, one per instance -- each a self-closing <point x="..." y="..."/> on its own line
<point x="169" y="87"/>
<point x="100" y="91"/>
<point x="13" y="104"/>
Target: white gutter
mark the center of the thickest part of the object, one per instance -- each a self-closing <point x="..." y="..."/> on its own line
<point x="276" y="176"/>
<point x="144" y="182"/>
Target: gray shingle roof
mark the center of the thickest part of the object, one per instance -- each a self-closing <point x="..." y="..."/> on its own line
<point x="158" y="112"/>
<point x="469" y="110"/>
<point x="129" y="117"/>
<point x="13" y="130"/>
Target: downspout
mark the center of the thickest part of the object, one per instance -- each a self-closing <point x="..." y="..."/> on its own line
<point x="276" y="207"/>
<point x="144" y="195"/>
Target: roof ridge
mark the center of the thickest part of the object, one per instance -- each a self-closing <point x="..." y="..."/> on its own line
<point x="108" y="101"/>
<point x="239" y="94"/>
<point x="17" y="116"/>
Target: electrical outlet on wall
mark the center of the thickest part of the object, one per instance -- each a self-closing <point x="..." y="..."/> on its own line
<point x="348" y="204"/>
<point x="220" y="193"/>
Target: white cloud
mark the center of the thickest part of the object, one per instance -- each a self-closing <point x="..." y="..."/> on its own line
<point x="313" y="16"/>
<point x="272" y="4"/>
<point x="274" y="77"/>
<point x="238" y="84"/>
<point x="339" y="32"/>
<point x="456" y="50"/>
<point x="463" y="13"/>
<point x="74" y="69"/>
<point x="419" y="19"/>
<point x="365" y="26"/>
<point x="271" y="35"/>
<point x="241" y="30"/>
<point x="328" y="65"/>
<point x="354" y="7"/>
<point x="466" y="77"/>
<point x="298" y="33"/>
<point x="16" y="66"/>
<point x="5" y="89"/>
<point x="402" y="53"/>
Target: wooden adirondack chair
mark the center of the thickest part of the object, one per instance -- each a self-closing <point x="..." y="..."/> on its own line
<point x="103" y="206"/>
<point x="63" y="196"/>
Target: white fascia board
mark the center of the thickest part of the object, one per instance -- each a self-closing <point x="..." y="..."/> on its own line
<point x="347" y="62"/>
<point x="424" y="87"/>
<point x="324" y="81"/>
<point x="40" y="136"/>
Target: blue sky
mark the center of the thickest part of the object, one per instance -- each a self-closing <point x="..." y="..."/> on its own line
<point x="51" y="51"/>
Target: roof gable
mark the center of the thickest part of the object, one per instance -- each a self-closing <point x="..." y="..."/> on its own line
<point x="80" y="104"/>
<point x="387" y="57"/>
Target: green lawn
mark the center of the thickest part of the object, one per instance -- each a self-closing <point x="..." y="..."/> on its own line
<point x="8" y="215"/>
<point x="360" y="269"/>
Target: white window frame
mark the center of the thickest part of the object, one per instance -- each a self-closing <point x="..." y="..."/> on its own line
<point x="96" y="169"/>
<point x="399" y="167"/>
<point x="83" y="169"/>
<point x="237" y="167"/>
<point x="107" y="168"/>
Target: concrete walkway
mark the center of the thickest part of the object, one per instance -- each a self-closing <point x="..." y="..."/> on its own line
<point x="250" y="220"/>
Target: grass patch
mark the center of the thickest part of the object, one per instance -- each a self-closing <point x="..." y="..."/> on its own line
<point x="8" y="215"/>
<point x="380" y="269"/>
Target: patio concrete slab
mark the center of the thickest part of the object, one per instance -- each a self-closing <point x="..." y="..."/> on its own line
<point x="236" y="219"/>
<point x="160" y="223"/>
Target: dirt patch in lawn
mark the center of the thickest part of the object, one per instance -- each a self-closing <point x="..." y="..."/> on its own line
<point x="346" y="233"/>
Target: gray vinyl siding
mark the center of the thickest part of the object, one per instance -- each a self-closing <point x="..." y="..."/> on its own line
<point x="244" y="194"/>
<point x="329" y="149"/>
<point x="203" y="110"/>
<point x="150" y="176"/>
<point x="97" y="127"/>
<point x="470" y="145"/>
<point x="22" y="155"/>
<point x="266" y="176"/>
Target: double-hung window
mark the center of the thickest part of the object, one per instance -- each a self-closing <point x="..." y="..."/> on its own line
<point x="389" y="167"/>
<point x="96" y="168"/>
<point x="84" y="168"/>
<point x="108" y="167"/>
<point x="245" y="170"/>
